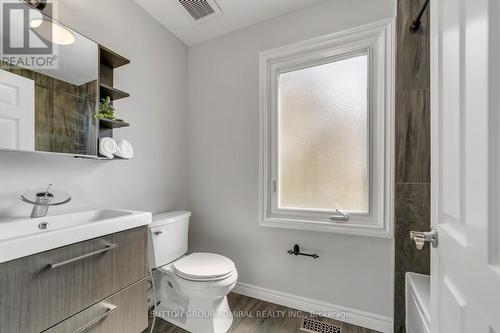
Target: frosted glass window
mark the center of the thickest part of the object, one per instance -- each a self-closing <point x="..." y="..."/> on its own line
<point x="322" y="140"/>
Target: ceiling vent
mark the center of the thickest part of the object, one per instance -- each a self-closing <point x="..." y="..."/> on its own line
<point x="200" y="9"/>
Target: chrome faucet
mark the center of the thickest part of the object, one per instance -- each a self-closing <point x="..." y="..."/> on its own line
<point x="42" y="199"/>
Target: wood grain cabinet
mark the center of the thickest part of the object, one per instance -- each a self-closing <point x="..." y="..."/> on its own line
<point x="117" y="313"/>
<point x="70" y="286"/>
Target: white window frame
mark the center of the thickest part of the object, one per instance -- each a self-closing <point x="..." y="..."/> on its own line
<point x="377" y="41"/>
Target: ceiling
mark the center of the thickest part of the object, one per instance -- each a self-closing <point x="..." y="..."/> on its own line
<point x="236" y="14"/>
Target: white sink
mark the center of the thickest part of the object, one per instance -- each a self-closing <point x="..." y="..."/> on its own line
<point x="21" y="237"/>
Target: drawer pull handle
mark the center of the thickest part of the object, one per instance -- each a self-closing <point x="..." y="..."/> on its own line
<point x="110" y="309"/>
<point x="91" y="254"/>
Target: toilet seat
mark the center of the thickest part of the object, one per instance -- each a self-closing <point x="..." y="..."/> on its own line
<point x="204" y="267"/>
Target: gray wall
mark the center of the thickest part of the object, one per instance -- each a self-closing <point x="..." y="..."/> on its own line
<point x="354" y="272"/>
<point x="155" y="179"/>
<point x="412" y="149"/>
<point x="222" y="149"/>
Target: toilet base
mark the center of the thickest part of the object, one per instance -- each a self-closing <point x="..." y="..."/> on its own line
<point x="200" y="316"/>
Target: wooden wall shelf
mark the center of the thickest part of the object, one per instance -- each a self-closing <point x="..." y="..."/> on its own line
<point x="108" y="123"/>
<point x="112" y="59"/>
<point x="101" y="158"/>
<point x="108" y="63"/>
<point x="113" y="93"/>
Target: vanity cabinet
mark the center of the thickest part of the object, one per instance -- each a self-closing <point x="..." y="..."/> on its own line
<point x="72" y="285"/>
<point x="117" y="313"/>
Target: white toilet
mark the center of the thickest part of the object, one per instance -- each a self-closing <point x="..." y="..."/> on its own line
<point x="192" y="289"/>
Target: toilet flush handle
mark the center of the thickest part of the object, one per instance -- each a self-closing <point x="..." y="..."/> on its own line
<point x="158" y="233"/>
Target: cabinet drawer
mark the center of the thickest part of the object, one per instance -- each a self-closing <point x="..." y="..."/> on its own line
<point x="124" y="312"/>
<point x="42" y="290"/>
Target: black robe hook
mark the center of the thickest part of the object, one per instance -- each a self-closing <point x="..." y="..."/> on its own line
<point x="415" y="26"/>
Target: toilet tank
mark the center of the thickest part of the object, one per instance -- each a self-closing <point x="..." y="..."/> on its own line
<point x="168" y="237"/>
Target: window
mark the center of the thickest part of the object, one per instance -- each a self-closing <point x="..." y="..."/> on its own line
<point x="322" y="137"/>
<point x="326" y="118"/>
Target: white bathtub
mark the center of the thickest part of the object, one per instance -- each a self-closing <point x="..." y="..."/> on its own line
<point x="418" y="303"/>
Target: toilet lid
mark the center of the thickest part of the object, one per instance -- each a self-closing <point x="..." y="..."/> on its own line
<point x="204" y="267"/>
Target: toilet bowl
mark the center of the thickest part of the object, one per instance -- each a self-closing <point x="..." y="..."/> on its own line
<point x="192" y="288"/>
<point x="417" y="303"/>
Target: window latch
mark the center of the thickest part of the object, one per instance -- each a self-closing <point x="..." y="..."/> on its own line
<point x="339" y="216"/>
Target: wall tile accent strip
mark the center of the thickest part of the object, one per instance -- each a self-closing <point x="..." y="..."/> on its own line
<point x="412" y="206"/>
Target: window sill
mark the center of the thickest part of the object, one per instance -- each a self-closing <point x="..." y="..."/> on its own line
<point x="381" y="230"/>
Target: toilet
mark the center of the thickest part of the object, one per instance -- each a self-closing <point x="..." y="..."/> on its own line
<point x="191" y="288"/>
<point x="418" y="303"/>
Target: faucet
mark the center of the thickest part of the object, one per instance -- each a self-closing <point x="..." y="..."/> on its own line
<point x="43" y="199"/>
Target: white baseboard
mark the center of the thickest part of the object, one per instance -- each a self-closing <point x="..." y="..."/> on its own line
<point x="355" y="317"/>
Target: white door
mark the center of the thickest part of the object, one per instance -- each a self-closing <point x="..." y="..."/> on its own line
<point x="465" y="108"/>
<point x="17" y="112"/>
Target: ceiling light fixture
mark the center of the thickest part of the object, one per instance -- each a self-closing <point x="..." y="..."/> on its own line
<point x="53" y="32"/>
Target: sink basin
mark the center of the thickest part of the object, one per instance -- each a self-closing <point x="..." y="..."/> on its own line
<point x="21" y="237"/>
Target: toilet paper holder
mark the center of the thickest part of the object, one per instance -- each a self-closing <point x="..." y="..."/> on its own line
<point x="296" y="251"/>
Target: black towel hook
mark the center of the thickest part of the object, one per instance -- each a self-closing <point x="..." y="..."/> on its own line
<point x="296" y="251"/>
<point x="415" y="26"/>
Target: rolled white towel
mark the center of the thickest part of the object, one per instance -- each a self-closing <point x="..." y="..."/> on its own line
<point x="125" y="149"/>
<point x="107" y="147"/>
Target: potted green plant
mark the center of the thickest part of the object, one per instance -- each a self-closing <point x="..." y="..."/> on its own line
<point x="106" y="110"/>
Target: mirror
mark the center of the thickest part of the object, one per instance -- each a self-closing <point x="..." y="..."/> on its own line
<point x="48" y="84"/>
